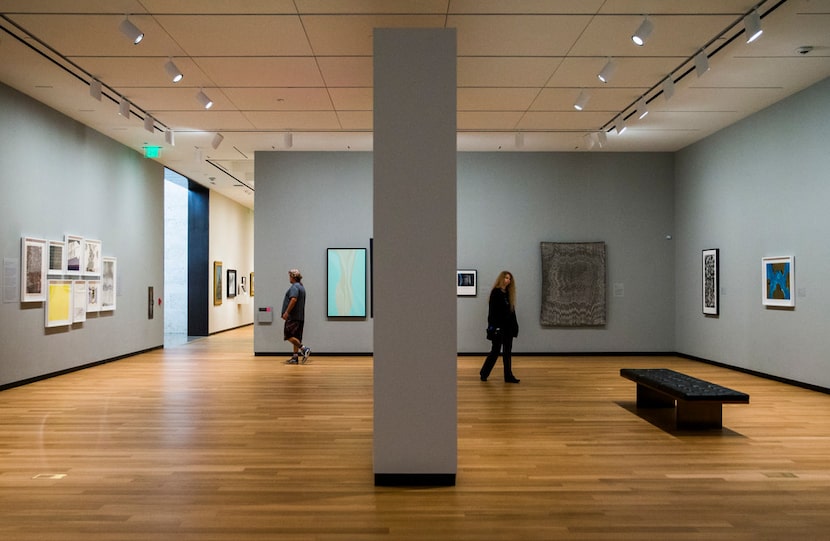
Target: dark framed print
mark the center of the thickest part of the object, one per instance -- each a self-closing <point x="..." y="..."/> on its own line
<point x="217" y="283"/>
<point x="231" y="283"/>
<point x="466" y="282"/>
<point x="711" y="281"/>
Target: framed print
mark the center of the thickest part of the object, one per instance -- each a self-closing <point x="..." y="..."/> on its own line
<point x="74" y="253"/>
<point x="778" y="281"/>
<point x="79" y="299"/>
<point x="109" y="284"/>
<point x="711" y="283"/>
<point x="58" y="303"/>
<point x="57" y="263"/>
<point x="251" y="285"/>
<point x="231" y="283"/>
<point x="346" y="282"/>
<point x="91" y="263"/>
<point x="33" y="257"/>
<point x="574" y="284"/>
<point x="217" y="283"/>
<point x="93" y="296"/>
<point x="466" y="282"/>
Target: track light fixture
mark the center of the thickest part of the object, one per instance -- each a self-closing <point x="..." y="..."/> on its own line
<point x="668" y="88"/>
<point x="602" y="138"/>
<point x="149" y="123"/>
<point x="131" y="31"/>
<point x="519" y="139"/>
<point x="621" y="126"/>
<point x="607" y="71"/>
<point x="588" y="141"/>
<point x="95" y="89"/>
<point x="217" y="140"/>
<point x="643" y="32"/>
<point x="582" y="100"/>
<point x="701" y="63"/>
<point x="173" y="72"/>
<point x="206" y="102"/>
<point x="642" y="108"/>
<point x="288" y="140"/>
<point x="170" y="138"/>
<point x="752" y="24"/>
<point x="124" y="107"/>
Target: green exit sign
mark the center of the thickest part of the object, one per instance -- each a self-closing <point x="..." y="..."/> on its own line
<point x="152" y="152"/>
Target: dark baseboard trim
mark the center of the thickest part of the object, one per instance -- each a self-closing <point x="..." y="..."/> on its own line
<point x="74" y="369"/>
<point x="578" y="354"/>
<point x="795" y="383"/>
<point x="414" y="479"/>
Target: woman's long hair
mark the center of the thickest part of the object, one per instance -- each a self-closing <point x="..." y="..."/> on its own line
<point x="511" y="287"/>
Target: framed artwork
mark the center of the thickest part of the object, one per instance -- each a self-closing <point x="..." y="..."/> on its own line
<point x="92" y="258"/>
<point x="58" y="303"/>
<point x="778" y="281"/>
<point x="57" y="263"/>
<point x="93" y="296"/>
<point x="711" y="284"/>
<point x="217" y="283"/>
<point x="346" y="282"/>
<point x="74" y="253"/>
<point x="33" y="256"/>
<point x="466" y="282"/>
<point x="109" y="284"/>
<point x="79" y="298"/>
<point x="231" y="283"/>
<point x="251" y="285"/>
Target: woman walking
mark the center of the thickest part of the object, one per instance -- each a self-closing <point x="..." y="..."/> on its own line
<point x="502" y="326"/>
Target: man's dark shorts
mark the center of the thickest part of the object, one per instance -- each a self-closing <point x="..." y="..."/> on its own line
<point x="293" y="329"/>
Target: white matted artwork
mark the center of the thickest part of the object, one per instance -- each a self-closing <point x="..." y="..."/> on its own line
<point x="57" y="263"/>
<point x="711" y="300"/>
<point x="79" y="297"/>
<point x="108" y="283"/>
<point x="74" y="253"/>
<point x="58" y="310"/>
<point x="33" y="256"/>
<point x="91" y="264"/>
<point x="93" y="295"/>
<point x="778" y="281"/>
<point x="466" y="282"/>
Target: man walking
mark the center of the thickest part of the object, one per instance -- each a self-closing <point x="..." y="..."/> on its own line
<point x="293" y="312"/>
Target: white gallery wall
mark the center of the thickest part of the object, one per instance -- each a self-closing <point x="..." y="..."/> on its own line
<point x="756" y="189"/>
<point x="59" y="177"/>
<point x="507" y="204"/>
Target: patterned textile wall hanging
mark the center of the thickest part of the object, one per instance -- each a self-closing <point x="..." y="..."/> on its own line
<point x="573" y="284"/>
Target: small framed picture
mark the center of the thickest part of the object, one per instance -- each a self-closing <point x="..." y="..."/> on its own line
<point x="466" y="282"/>
<point x="710" y="282"/>
<point x="231" y="283"/>
<point x="778" y="281"/>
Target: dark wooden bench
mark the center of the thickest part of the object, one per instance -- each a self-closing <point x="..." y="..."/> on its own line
<point x="699" y="402"/>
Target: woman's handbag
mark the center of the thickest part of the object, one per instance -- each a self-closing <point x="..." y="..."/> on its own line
<point x="492" y="332"/>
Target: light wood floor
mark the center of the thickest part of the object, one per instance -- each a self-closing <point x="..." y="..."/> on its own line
<point x="207" y="442"/>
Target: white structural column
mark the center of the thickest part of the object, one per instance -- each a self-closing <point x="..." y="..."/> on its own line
<point x="414" y="222"/>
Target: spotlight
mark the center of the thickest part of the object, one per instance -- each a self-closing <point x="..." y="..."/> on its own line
<point x="217" y="140"/>
<point x="588" y="141"/>
<point x="621" y="126"/>
<point x="288" y="140"/>
<point x="206" y="102"/>
<point x="131" y="31"/>
<point x="170" y="138"/>
<point x="581" y="100"/>
<point x="752" y="23"/>
<point x="519" y="139"/>
<point x="701" y="63"/>
<point x="602" y="137"/>
<point x="149" y="123"/>
<point x="643" y="32"/>
<point x="172" y="71"/>
<point x="642" y="108"/>
<point x="668" y="88"/>
<point x="124" y="107"/>
<point x="95" y="89"/>
<point x="607" y="71"/>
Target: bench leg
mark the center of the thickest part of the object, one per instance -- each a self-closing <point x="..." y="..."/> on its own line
<point x="699" y="414"/>
<point x="649" y="398"/>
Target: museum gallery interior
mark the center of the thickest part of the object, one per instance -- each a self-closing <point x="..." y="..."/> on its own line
<point x="652" y="174"/>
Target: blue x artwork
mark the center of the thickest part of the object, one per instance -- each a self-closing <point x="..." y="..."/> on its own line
<point x="778" y="280"/>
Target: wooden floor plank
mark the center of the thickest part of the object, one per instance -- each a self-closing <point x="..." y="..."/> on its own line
<point x="205" y="442"/>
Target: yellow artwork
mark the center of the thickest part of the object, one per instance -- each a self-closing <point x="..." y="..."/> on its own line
<point x="59" y="303"/>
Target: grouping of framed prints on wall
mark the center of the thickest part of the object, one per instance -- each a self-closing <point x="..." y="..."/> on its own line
<point x="71" y="278"/>
<point x="227" y="283"/>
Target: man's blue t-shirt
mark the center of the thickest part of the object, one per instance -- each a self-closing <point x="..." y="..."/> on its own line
<point x="296" y="290"/>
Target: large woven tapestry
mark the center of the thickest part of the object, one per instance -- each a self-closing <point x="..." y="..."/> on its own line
<point x="573" y="284"/>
